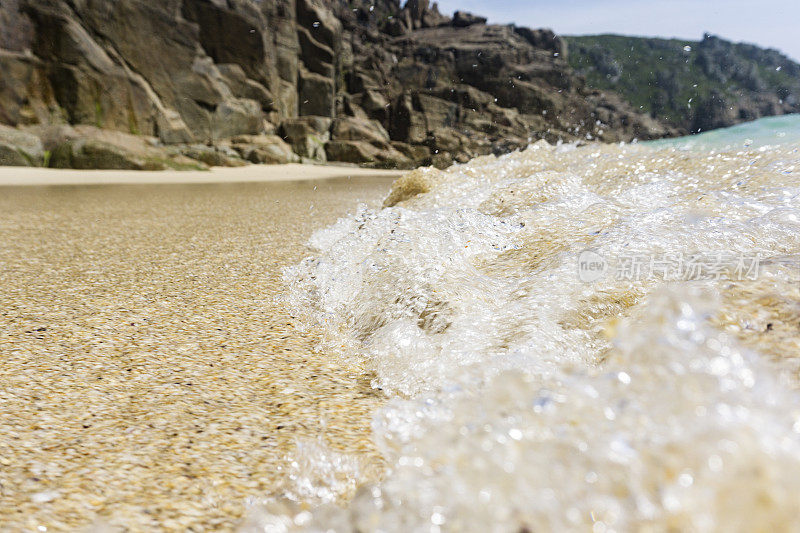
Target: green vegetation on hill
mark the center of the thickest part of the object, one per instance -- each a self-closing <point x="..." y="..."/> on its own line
<point x="693" y="85"/>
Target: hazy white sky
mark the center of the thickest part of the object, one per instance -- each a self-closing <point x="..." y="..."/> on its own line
<point x="769" y="23"/>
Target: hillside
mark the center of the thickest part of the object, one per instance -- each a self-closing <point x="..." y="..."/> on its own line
<point x="692" y="85"/>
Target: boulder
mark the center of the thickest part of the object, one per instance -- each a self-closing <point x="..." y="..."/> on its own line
<point x="87" y="147"/>
<point x="264" y="149"/>
<point x="413" y="152"/>
<point x="544" y="39"/>
<point x="319" y="125"/>
<point x="364" y="153"/>
<point x="446" y="139"/>
<point x="213" y="156"/>
<point x="10" y="156"/>
<point x="20" y="149"/>
<point x="462" y="19"/>
<point x="442" y="160"/>
<point x="93" y="154"/>
<point x="422" y="14"/>
<point x="432" y="18"/>
<point x="355" y="129"/>
<point x="358" y="152"/>
<point x="307" y="136"/>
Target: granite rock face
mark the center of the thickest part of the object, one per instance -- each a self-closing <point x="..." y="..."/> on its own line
<point x="370" y="82"/>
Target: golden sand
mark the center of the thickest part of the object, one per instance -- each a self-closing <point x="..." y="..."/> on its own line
<point x="148" y="378"/>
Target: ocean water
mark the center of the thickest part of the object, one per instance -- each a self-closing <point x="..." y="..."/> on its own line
<point x="770" y="131"/>
<point x="602" y="337"/>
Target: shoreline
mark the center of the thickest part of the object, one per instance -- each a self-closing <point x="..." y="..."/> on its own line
<point x="30" y="176"/>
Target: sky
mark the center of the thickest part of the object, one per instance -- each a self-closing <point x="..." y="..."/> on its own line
<point x="768" y="23"/>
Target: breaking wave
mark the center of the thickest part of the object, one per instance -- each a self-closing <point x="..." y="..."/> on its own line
<point x="602" y="336"/>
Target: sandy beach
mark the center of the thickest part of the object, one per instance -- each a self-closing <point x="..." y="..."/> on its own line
<point x="17" y="176"/>
<point x="150" y="377"/>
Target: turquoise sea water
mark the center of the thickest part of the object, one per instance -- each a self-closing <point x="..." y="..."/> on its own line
<point x="770" y="131"/>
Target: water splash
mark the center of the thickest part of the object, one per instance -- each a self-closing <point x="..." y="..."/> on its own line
<point x="526" y="398"/>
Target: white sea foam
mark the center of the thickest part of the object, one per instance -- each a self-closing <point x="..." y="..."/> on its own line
<point x="527" y="398"/>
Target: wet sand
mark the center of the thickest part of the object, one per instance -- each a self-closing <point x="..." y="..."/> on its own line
<point x="148" y="377"/>
<point x="252" y="173"/>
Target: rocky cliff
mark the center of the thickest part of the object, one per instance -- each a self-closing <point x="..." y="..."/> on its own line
<point x="184" y="82"/>
<point x="690" y="85"/>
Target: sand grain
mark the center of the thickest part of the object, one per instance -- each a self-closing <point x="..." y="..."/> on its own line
<point x="148" y="378"/>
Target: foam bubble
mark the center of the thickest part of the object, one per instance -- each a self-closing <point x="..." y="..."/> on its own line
<point x="526" y="396"/>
